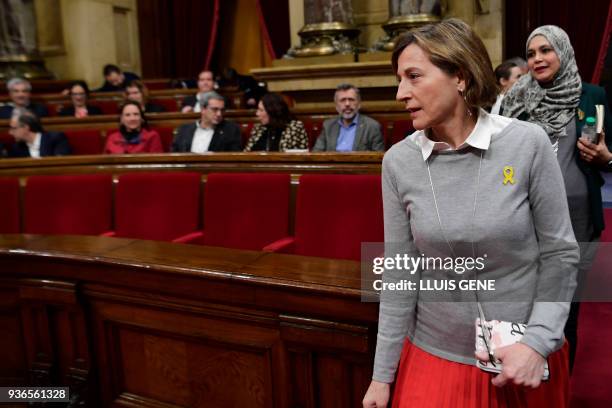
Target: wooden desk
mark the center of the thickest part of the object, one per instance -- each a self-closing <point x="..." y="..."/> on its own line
<point x="130" y="323"/>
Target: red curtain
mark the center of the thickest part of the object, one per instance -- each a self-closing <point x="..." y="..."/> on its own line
<point x="603" y="49"/>
<point x="176" y="37"/>
<point x="274" y="20"/>
<point x="584" y="21"/>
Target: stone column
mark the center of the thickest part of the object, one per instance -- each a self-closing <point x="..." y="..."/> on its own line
<point x="406" y="14"/>
<point x="328" y="29"/>
<point x="19" y="54"/>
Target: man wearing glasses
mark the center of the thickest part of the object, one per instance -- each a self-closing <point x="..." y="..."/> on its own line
<point x="211" y="133"/>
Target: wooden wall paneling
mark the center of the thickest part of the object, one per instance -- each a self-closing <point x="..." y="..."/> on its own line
<point x="327" y="357"/>
<point x="185" y="358"/>
<point x="14" y="366"/>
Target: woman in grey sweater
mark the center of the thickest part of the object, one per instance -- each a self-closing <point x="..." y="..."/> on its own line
<point x="469" y="185"/>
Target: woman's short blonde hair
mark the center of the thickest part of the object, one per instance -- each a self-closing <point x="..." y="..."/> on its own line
<point x="456" y="49"/>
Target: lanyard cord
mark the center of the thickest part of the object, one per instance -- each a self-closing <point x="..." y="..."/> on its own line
<point x="485" y="328"/>
<point x="433" y="192"/>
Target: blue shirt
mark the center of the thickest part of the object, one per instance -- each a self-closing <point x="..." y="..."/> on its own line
<point x="346" y="138"/>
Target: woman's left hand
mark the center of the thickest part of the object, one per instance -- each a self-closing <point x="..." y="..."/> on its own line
<point x="597" y="154"/>
<point x="520" y="364"/>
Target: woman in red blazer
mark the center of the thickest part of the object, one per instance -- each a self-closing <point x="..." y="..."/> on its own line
<point x="133" y="135"/>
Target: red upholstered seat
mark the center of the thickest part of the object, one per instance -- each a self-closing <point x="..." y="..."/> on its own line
<point x="6" y="140"/>
<point x="85" y="141"/>
<point x="169" y="103"/>
<point x="107" y="106"/>
<point x="157" y="206"/>
<point x="313" y="129"/>
<point x="68" y="204"/>
<point x="53" y="107"/>
<point x="167" y="136"/>
<point x="157" y="84"/>
<point x="398" y="132"/>
<point x="335" y="214"/>
<point x="9" y="205"/>
<point x="245" y="211"/>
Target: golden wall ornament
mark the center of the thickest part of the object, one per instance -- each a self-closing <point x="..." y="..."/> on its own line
<point x="328" y="30"/>
<point x="323" y="39"/>
<point x="405" y="15"/>
<point x="19" y="54"/>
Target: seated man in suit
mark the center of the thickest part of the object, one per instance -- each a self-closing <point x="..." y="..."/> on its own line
<point x="351" y="131"/>
<point x="19" y="91"/>
<point x="206" y="83"/>
<point x="211" y="133"/>
<point x="115" y="80"/>
<point x="32" y="140"/>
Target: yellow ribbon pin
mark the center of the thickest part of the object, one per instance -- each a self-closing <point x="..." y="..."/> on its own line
<point x="508" y="175"/>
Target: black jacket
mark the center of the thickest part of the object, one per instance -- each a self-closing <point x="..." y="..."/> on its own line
<point x="225" y="139"/>
<point x="6" y="111"/>
<point x="69" y="111"/>
<point x="51" y="144"/>
<point x="108" y="87"/>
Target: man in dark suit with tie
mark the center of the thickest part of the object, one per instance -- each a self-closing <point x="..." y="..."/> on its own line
<point x="32" y="140"/>
<point x="211" y="133"/>
<point x="351" y="131"/>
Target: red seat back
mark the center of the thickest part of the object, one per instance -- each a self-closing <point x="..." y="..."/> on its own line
<point x="85" y="141"/>
<point x="313" y="130"/>
<point x="167" y="136"/>
<point x="246" y="211"/>
<point x="7" y="140"/>
<point x="68" y="204"/>
<point x="169" y="103"/>
<point x="336" y="213"/>
<point x="400" y="129"/>
<point x="107" y="106"/>
<point x="53" y="107"/>
<point x="158" y="206"/>
<point x="9" y="205"/>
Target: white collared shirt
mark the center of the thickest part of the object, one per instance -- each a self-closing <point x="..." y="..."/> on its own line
<point x="34" y="147"/>
<point x="197" y="107"/>
<point x="201" y="139"/>
<point x="487" y="125"/>
<point x="497" y="105"/>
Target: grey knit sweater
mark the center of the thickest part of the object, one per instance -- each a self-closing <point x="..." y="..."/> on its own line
<point x="521" y="229"/>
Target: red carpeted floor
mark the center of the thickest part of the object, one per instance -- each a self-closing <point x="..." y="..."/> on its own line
<point x="591" y="384"/>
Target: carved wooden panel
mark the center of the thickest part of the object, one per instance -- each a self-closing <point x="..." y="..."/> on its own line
<point x="184" y="359"/>
<point x="13" y="366"/>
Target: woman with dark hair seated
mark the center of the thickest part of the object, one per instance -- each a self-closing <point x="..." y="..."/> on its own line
<point x="133" y="135"/>
<point x="137" y="91"/>
<point x="276" y="130"/>
<point x="79" y="93"/>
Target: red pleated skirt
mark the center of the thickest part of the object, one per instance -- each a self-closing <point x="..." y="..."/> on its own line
<point x="427" y="381"/>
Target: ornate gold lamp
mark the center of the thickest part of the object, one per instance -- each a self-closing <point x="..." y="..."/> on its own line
<point x="405" y="15"/>
<point x="322" y="39"/>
